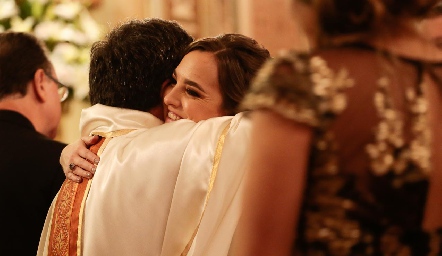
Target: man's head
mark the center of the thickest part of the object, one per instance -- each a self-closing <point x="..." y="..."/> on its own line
<point x="128" y="68"/>
<point x="28" y="82"/>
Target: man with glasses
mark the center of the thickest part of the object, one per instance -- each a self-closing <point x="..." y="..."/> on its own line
<point x="30" y="112"/>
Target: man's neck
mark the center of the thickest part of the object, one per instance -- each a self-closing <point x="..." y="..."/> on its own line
<point x="24" y="106"/>
<point x="106" y="119"/>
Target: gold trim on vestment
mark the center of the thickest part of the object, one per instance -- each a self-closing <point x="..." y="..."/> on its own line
<point x="216" y="160"/>
<point x="48" y="233"/>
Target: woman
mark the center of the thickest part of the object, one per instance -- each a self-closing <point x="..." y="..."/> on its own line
<point x="213" y="77"/>
<point x="210" y="81"/>
<point x="353" y="165"/>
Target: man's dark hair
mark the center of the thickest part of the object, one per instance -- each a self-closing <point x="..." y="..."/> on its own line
<point x="128" y="68"/>
<point x="21" y="54"/>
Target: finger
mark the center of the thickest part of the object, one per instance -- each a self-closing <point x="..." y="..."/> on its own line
<point x="73" y="177"/>
<point x="90" y="140"/>
<point x="69" y="153"/>
<point x="66" y="168"/>
<point x="83" y="165"/>
<point x="88" y="155"/>
<point x="82" y="173"/>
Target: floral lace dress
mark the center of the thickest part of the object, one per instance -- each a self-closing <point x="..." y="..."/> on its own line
<point x="373" y="151"/>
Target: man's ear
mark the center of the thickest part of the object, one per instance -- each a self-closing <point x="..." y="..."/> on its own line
<point x="39" y="85"/>
<point x="157" y="112"/>
<point x="163" y="87"/>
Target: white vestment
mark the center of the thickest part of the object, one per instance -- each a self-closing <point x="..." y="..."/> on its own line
<point x="149" y="194"/>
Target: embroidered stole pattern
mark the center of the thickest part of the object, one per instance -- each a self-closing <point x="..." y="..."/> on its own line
<point x="65" y="230"/>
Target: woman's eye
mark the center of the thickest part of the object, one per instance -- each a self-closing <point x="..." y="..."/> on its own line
<point x="192" y="93"/>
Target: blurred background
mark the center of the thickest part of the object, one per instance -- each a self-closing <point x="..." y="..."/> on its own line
<point x="69" y="27"/>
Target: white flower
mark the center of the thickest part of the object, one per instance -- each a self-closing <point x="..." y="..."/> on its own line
<point x="90" y="27"/>
<point x="68" y="10"/>
<point x="48" y="30"/>
<point x="19" y="25"/>
<point x="7" y="9"/>
<point x="66" y="52"/>
<point x="74" y="75"/>
<point x="82" y="81"/>
<point x="70" y="33"/>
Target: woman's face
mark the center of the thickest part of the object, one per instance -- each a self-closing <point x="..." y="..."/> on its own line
<point x="194" y="92"/>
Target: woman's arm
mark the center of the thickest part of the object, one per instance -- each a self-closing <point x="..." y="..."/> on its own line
<point x="274" y="185"/>
<point x="78" y="161"/>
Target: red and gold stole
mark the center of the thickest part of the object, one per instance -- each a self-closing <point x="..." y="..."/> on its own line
<point x="67" y="216"/>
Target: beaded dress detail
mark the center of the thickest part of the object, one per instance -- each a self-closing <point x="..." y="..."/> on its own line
<point x="369" y="164"/>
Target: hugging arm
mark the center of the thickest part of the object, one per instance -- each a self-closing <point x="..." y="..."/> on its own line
<point x="78" y="161"/>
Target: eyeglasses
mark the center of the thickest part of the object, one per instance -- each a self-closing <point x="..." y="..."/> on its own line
<point x="63" y="90"/>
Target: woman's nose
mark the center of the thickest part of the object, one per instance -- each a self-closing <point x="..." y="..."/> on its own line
<point x="171" y="96"/>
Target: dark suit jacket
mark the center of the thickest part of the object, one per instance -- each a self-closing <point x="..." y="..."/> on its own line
<point x="30" y="178"/>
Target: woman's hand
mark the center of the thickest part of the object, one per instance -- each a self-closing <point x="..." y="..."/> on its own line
<point x="78" y="161"/>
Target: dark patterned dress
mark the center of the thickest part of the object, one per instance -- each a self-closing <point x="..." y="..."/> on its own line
<point x="374" y="147"/>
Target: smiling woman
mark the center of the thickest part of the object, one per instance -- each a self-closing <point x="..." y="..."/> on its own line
<point x="213" y="77"/>
<point x="194" y="95"/>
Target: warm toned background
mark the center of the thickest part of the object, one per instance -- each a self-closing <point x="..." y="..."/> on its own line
<point x="270" y="22"/>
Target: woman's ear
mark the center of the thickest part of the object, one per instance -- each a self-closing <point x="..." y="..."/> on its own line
<point x="39" y="85"/>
